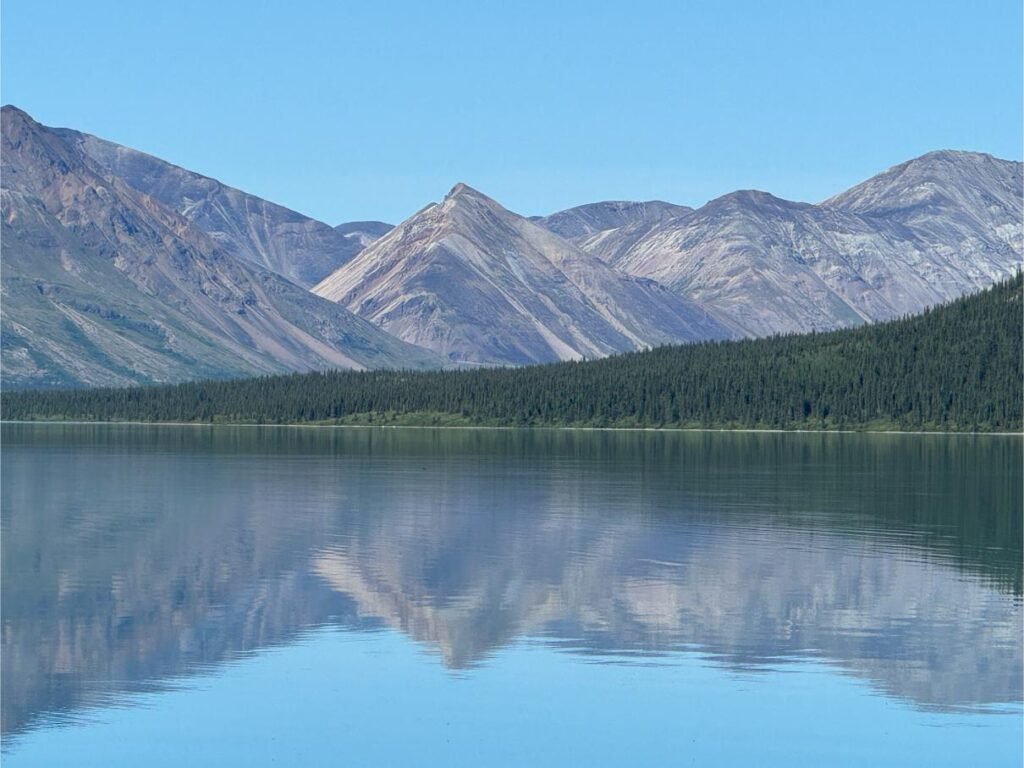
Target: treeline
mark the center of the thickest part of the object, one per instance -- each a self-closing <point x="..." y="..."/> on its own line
<point x="957" y="367"/>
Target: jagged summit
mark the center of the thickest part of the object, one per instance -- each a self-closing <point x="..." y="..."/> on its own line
<point x="461" y="188"/>
<point x="462" y="194"/>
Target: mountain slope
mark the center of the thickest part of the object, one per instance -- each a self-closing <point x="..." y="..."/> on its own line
<point x="957" y="367"/>
<point x="964" y="208"/>
<point x="480" y="284"/>
<point x="772" y="266"/>
<point x="245" y="226"/>
<point x="922" y="233"/>
<point x="104" y="285"/>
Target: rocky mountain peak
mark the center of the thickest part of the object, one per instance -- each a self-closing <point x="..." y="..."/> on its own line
<point x="465" y="207"/>
<point x="462" y="195"/>
<point x="463" y="191"/>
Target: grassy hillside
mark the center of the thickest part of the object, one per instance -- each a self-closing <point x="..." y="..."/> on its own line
<point x="957" y="367"/>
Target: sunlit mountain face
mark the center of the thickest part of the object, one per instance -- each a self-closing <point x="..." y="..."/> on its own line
<point x="137" y="556"/>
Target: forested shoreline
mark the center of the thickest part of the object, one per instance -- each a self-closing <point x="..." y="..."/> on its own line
<point x="954" y="368"/>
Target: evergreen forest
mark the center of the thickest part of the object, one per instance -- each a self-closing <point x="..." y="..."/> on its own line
<point x="957" y="367"/>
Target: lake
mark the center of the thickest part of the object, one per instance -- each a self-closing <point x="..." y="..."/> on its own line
<point x="300" y="596"/>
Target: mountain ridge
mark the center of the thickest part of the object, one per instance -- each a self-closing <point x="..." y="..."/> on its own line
<point x="477" y="283"/>
<point x="105" y="285"/>
<point x="918" y="234"/>
<point x="261" y="232"/>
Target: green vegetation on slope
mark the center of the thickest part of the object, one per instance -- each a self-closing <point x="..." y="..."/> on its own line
<point x="957" y="367"/>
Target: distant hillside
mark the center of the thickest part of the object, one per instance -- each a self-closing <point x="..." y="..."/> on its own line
<point x="957" y="367"/>
<point x="580" y="223"/>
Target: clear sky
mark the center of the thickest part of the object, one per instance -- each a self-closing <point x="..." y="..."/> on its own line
<point x="370" y="110"/>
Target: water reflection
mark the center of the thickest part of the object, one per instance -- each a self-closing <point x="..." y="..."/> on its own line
<point x="133" y="555"/>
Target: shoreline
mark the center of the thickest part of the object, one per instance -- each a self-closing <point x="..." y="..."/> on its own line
<point x="743" y="430"/>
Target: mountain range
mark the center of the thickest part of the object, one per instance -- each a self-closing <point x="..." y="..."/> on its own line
<point x="477" y="283"/>
<point x="921" y="233"/>
<point x="120" y="268"/>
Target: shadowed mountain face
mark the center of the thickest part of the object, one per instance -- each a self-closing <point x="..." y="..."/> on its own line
<point x="244" y="226"/>
<point x="920" y="234"/>
<point x="104" y="285"/>
<point x="480" y="284"/>
<point x="895" y="558"/>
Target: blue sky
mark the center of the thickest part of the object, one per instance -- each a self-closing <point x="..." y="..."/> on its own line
<point x="370" y="110"/>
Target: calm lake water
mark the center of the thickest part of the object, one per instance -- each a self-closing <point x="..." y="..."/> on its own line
<point x="257" y="596"/>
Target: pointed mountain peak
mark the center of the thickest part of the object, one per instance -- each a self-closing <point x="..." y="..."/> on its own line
<point x="463" y="210"/>
<point x="461" y="191"/>
<point x="458" y="189"/>
<point x="464" y="200"/>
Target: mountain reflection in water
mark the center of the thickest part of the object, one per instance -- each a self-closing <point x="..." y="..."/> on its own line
<point x="134" y="555"/>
